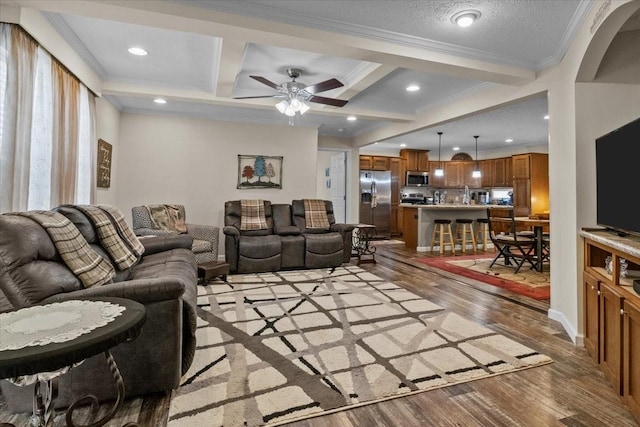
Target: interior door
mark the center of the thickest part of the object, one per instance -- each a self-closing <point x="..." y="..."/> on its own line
<point x="338" y="186"/>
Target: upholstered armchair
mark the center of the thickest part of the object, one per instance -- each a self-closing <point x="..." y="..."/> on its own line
<point x="205" y="237"/>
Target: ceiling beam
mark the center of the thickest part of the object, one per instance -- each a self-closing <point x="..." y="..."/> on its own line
<point x="181" y="17"/>
<point x="231" y="56"/>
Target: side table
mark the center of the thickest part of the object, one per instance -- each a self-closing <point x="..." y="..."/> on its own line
<point x="362" y="236"/>
<point x="42" y="342"/>
<point x="212" y="269"/>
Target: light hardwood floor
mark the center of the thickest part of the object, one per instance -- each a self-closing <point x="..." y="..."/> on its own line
<point x="569" y="392"/>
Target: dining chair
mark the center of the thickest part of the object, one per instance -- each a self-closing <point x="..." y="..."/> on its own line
<point x="505" y="237"/>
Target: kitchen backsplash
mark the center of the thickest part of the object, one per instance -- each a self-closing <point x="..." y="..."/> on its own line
<point x="455" y="195"/>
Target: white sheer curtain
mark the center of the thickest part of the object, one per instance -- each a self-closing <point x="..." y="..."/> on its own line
<point x="47" y="128"/>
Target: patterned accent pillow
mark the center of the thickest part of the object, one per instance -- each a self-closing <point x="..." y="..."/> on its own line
<point x="252" y="215"/>
<point x="315" y="214"/>
<point x="160" y="217"/>
<point x="176" y="218"/>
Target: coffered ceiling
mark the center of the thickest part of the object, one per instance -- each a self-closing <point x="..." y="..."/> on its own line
<point x="201" y="54"/>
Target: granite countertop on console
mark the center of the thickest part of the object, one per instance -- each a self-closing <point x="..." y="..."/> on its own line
<point x="628" y="244"/>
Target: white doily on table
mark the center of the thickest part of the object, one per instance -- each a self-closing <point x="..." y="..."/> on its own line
<point x="54" y="323"/>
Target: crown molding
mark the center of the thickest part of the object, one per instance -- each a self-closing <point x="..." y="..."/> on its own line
<point x="578" y="18"/>
<point x="269" y="13"/>
<point x="114" y="101"/>
<point x="76" y="44"/>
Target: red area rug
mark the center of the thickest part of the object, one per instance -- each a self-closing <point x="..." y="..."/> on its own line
<point x="527" y="282"/>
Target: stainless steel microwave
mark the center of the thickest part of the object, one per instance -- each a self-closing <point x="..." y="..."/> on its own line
<point x="417" y="179"/>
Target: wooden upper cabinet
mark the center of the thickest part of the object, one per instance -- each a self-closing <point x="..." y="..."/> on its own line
<point x="467" y="175"/>
<point x="380" y="163"/>
<point x="435" y="181"/>
<point x="521" y="166"/>
<point x="530" y="183"/>
<point x="501" y="176"/>
<point x="416" y="160"/>
<point x="453" y="174"/>
<point x="486" y="167"/>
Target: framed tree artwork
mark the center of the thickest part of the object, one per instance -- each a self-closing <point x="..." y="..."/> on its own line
<point x="259" y="172"/>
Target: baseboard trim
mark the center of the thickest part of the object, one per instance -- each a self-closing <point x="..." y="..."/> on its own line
<point x="578" y="339"/>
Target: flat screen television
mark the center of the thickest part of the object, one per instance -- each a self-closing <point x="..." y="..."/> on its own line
<point x="618" y="179"/>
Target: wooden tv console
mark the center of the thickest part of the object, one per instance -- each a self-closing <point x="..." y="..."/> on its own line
<point x="612" y="311"/>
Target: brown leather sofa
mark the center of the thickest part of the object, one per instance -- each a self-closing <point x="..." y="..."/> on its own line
<point x="164" y="281"/>
<point x="286" y="243"/>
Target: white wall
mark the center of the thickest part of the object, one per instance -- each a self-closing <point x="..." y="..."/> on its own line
<point x="108" y="129"/>
<point x="324" y="162"/>
<point x="194" y="162"/>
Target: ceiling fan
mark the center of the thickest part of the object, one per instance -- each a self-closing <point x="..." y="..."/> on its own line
<point x="294" y="90"/>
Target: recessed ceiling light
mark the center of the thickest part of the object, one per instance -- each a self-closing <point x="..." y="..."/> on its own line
<point x="137" y="51"/>
<point x="341" y="130"/>
<point x="465" y="18"/>
<point x="456" y="148"/>
<point x="403" y="145"/>
<point x="546" y="117"/>
<point x="160" y="101"/>
<point x="375" y="143"/>
<point x="352" y="118"/>
<point x="508" y="140"/>
<point x="413" y="88"/>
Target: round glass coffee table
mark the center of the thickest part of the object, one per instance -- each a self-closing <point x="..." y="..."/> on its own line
<point x="40" y="343"/>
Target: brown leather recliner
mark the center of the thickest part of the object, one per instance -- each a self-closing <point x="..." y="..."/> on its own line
<point x="164" y="281"/>
<point x="286" y="243"/>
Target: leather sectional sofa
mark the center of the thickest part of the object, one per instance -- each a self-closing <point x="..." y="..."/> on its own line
<point x="287" y="242"/>
<point x="164" y="281"/>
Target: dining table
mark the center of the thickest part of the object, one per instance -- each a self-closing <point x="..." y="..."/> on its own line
<point x="539" y="225"/>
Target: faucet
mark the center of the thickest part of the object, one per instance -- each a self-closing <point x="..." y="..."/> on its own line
<point x="466" y="199"/>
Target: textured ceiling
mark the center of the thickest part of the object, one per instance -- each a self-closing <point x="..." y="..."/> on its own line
<point x="201" y="54"/>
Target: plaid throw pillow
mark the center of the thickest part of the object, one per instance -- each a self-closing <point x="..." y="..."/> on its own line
<point x="315" y="214"/>
<point x="252" y="216"/>
<point x="77" y="254"/>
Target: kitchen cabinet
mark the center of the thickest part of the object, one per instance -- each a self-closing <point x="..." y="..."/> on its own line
<point x="453" y="175"/>
<point x="415" y="160"/>
<point x="436" y="181"/>
<point x="410" y="227"/>
<point x="467" y="175"/>
<point x="487" y="169"/>
<point x="397" y="178"/>
<point x="501" y="172"/>
<point x="379" y="163"/>
<point x="530" y="183"/>
<point x="612" y="314"/>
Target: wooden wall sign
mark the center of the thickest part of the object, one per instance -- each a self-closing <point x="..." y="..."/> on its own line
<point x="104" y="164"/>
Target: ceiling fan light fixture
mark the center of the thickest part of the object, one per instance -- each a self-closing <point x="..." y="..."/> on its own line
<point x="465" y="18"/>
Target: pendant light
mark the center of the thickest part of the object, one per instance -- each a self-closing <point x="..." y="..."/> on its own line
<point x="476" y="172"/>
<point x="439" y="171"/>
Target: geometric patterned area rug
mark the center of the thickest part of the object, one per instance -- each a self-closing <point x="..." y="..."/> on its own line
<point x="278" y="347"/>
<point x="527" y="281"/>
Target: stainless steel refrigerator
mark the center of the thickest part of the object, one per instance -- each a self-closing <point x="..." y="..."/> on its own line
<point x="375" y="201"/>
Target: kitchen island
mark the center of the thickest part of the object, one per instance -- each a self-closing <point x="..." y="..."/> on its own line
<point x="418" y="221"/>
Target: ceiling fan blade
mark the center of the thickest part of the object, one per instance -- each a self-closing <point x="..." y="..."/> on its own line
<point x="324" y="86"/>
<point x="328" y="101"/>
<point x="265" y="81"/>
<point x="254" y="97"/>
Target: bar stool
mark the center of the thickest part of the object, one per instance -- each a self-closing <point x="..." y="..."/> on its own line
<point x="464" y="231"/>
<point x="482" y="232"/>
<point x="442" y="229"/>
